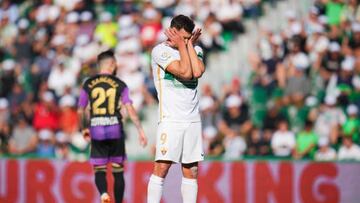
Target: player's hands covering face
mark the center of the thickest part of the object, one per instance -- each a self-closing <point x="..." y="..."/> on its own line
<point x="175" y="39"/>
<point x="195" y="36"/>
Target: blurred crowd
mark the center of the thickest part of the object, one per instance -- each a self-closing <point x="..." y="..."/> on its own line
<point x="302" y="100"/>
<point x="304" y="91"/>
<point x="48" y="48"/>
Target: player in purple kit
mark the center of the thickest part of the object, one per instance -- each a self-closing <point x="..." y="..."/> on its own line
<point x="105" y="94"/>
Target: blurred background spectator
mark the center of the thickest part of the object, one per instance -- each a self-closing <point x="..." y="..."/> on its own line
<point x="325" y="152"/>
<point x="282" y="79"/>
<point x="348" y="150"/>
<point x="306" y="142"/>
<point x="46" y="145"/>
<point x="23" y="140"/>
<point x="283" y="141"/>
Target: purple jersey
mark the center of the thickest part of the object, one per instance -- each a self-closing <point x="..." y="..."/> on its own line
<point x="104" y="94"/>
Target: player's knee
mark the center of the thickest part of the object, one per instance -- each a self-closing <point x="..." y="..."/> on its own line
<point x="117" y="168"/>
<point x="161" y="169"/>
<point x="190" y="171"/>
<point x="194" y="171"/>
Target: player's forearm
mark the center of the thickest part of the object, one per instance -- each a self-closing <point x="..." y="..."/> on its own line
<point x="134" y="117"/>
<point x="185" y="63"/>
<point x="197" y="65"/>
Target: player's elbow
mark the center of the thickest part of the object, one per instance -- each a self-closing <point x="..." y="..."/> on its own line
<point x="199" y="70"/>
<point x="197" y="74"/>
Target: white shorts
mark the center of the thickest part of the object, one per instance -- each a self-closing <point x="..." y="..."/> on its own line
<point x="179" y="142"/>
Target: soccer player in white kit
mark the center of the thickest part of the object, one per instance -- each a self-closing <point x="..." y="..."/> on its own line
<point x="177" y="65"/>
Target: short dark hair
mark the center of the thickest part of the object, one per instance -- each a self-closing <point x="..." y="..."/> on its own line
<point x="308" y="123"/>
<point x="280" y="121"/>
<point x="181" y="21"/>
<point x="105" y="55"/>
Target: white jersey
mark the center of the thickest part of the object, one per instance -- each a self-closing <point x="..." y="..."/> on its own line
<point x="178" y="99"/>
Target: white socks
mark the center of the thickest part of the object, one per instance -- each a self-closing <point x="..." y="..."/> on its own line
<point x="189" y="189"/>
<point x="155" y="189"/>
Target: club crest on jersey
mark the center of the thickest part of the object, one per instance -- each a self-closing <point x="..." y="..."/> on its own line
<point x="165" y="55"/>
<point x="163" y="150"/>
